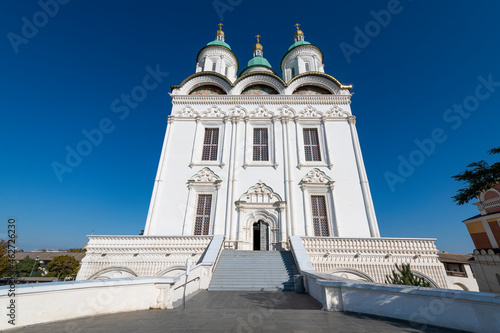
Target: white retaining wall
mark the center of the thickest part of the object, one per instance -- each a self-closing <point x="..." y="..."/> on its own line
<point x="463" y="310"/>
<point x="48" y="302"/>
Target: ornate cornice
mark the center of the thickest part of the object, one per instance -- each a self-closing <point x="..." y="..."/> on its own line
<point x="261" y="99"/>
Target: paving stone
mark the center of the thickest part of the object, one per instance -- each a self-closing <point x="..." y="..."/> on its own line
<point x="235" y="311"/>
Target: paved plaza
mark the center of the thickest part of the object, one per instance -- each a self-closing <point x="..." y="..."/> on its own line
<point x="235" y="311"/>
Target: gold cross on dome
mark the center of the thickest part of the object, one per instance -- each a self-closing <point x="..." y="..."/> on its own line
<point x="297" y="25"/>
<point x="258" y="38"/>
<point x="220" y="26"/>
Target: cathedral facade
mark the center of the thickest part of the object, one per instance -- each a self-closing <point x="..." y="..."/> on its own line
<point x="260" y="157"/>
<point x="254" y="157"/>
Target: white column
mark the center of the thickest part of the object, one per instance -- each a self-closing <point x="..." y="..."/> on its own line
<point x="230" y="189"/>
<point x="365" y="188"/>
<point x="288" y="180"/>
<point x="194" y="152"/>
<point x="327" y="146"/>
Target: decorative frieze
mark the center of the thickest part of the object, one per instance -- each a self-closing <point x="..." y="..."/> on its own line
<point x="375" y="257"/>
<point x="122" y="256"/>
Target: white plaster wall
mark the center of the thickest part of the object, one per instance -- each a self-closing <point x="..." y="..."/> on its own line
<point x="458" y="282"/>
<point x="336" y="143"/>
<point x="462" y="310"/>
<point x="486" y="276"/>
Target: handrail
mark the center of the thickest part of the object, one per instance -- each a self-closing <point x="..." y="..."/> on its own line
<point x="182" y="285"/>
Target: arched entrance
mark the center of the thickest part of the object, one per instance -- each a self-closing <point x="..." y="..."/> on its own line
<point x="260" y="236"/>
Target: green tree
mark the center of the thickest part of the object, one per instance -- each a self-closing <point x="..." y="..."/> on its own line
<point x="479" y="176"/>
<point x="77" y="250"/>
<point x="62" y="267"/>
<point x="4" y="259"/>
<point x="403" y="275"/>
<point x="26" y="266"/>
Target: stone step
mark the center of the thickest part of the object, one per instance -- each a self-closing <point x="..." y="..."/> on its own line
<point x="254" y="270"/>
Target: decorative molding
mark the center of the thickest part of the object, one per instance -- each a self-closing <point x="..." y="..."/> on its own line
<point x="336" y="112"/>
<point x="315" y="81"/>
<point x="258" y="79"/>
<point x="238" y="111"/>
<point x="260" y="112"/>
<point x="213" y="112"/>
<point x="370" y="256"/>
<point x="205" y="175"/>
<point x="310" y="112"/>
<point x="286" y="111"/>
<point x="187" y="112"/>
<point x="316" y="177"/>
<point x="261" y="99"/>
<point x="200" y="80"/>
<point x="260" y="193"/>
<point x="138" y="255"/>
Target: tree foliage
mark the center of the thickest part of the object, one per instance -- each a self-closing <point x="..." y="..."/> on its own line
<point x="403" y="275"/>
<point x="26" y="266"/>
<point x="479" y="176"/>
<point x="4" y="259"/>
<point x="62" y="267"/>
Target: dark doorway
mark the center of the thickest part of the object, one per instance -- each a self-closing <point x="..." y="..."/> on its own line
<point x="260" y="236"/>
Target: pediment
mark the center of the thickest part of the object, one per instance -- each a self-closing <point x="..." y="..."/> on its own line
<point x="260" y="193"/>
<point x="316" y="177"/>
<point x="205" y="175"/>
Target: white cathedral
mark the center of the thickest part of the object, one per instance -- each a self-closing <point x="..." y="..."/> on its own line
<point x="258" y="158"/>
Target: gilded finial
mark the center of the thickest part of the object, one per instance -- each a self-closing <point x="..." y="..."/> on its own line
<point x="258" y="38"/>
<point x="299" y="35"/>
<point x="219" y="35"/>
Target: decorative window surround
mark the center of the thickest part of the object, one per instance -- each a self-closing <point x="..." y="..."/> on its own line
<point x="325" y="153"/>
<point x="198" y="141"/>
<point x="205" y="182"/>
<point x="269" y="124"/>
<point x="316" y="182"/>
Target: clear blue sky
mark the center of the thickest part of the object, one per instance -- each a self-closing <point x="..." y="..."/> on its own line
<point x="407" y="77"/>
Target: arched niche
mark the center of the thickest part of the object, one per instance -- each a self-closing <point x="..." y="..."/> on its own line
<point x="351" y="273"/>
<point x="311" y="90"/>
<point x="259" y="89"/>
<point x="113" y="272"/>
<point x="207" y="89"/>
<point x="172" y="271"/>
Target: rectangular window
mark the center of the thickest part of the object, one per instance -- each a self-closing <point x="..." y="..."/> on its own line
<point x="320" y="219"/>
<point x="260" y="144"/>
<point x="293" y="72"/>
<point x="227" y="70"/>
<point x="202" y="221"/>
<point x="210" y="144"/>
<point x="307" y="67"/>
<point x="214" y="65"/>
<point x="311" y="144"/>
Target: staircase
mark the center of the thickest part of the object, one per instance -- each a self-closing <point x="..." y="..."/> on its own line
<point x="254" y="270"/>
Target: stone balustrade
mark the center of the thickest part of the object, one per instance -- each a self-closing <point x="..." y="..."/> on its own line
<point x="371" y="259"/>
<point x="129" y="256"/>
<point x="489" y="206"/>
